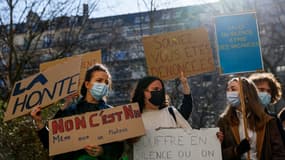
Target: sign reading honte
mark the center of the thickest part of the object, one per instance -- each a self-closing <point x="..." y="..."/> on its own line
<point x="44" y="88"/>
<point x="170" y="53"/>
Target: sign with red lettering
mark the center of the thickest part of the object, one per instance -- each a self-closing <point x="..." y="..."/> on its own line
<point x="88" y="59"/>
<point x="95" y="128"/>
<point x="170" y="53"/>
<point x="44" y="88"/>
<point x="182" y="144"/>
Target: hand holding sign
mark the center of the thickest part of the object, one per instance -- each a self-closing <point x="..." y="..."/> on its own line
<point x="243" y="147"/>
<point x="94" y="150"/>
<point x="37" y="117"/>
<point x="69" y="100"/>
<point x="220" y="136"/>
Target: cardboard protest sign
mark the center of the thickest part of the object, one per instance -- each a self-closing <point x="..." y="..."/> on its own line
<point x="170" y="53"/>
<point x="95" y="128"/>
<point x="174" y="144"/>
<point x="88" y="59"/>
<point x="238" y="43"/>
<point x="44" y="88"/>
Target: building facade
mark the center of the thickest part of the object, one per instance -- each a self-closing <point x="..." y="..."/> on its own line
<point x="119" y="38"/>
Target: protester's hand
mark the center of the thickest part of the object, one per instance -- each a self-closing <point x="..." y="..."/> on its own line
<point x="94" y="150"/>
<point x="185" y="85"/>
<point x="69" y="100"/>
<point x="220" y="136"/>
<point x="37" y="117"/>
<point x="243" y="147"/>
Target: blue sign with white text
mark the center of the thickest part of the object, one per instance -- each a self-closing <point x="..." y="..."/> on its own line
<point x="238" y="43"/>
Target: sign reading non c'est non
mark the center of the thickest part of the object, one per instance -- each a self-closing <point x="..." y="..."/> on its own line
<point x="95" y="128"/>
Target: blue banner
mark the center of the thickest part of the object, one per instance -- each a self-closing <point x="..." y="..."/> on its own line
<point x="238" y="43"/>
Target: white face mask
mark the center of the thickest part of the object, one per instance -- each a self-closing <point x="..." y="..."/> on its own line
<point x="233" y="98"/>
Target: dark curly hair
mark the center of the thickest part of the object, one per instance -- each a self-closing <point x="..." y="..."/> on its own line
<point x="275" y="86"/>
<point x="138" y="95"/>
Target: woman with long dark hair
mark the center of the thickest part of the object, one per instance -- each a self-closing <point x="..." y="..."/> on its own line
<point x="150" y="95"/>
<point x="95" y="87"/>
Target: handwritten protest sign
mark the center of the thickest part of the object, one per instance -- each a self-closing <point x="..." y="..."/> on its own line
<point x="95" y="128"/>
<point x="44" y="88"/>
<point x="88" y="59"/>
<point x="170" y="53"/>
<point x="238" y="43"/>
<point x="174" y="144"/>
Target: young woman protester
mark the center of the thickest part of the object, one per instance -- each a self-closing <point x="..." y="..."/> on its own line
<point x="94" y="89"/>
<point x="264" y="140"/>
<point x="150" y="95"/>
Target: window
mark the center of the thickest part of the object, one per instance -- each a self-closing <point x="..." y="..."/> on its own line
<point x="138" y="20"/>
<point x="280" y="68"/>
<point x="5" y="49"/>
<point x="146" y="19"/>
<point x="166" y="16"/>
<point x="47" y="40"/>
<point x="177" y="14"/>
<point x="2" y="83"/>
<point x="121" y="55"/>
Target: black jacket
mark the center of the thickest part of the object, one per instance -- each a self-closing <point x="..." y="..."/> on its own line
<point x="279" y="125"/>
<point x="186" y="107"/>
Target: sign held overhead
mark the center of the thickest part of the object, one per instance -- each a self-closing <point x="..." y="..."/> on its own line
<point x="170" y="53"/>
<point x="238" y="43"/>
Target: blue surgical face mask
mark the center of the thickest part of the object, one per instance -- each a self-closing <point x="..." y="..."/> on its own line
<point x="99" y="90"/>
<point x="233" y="99"/>
<point x="265" y="98"/>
